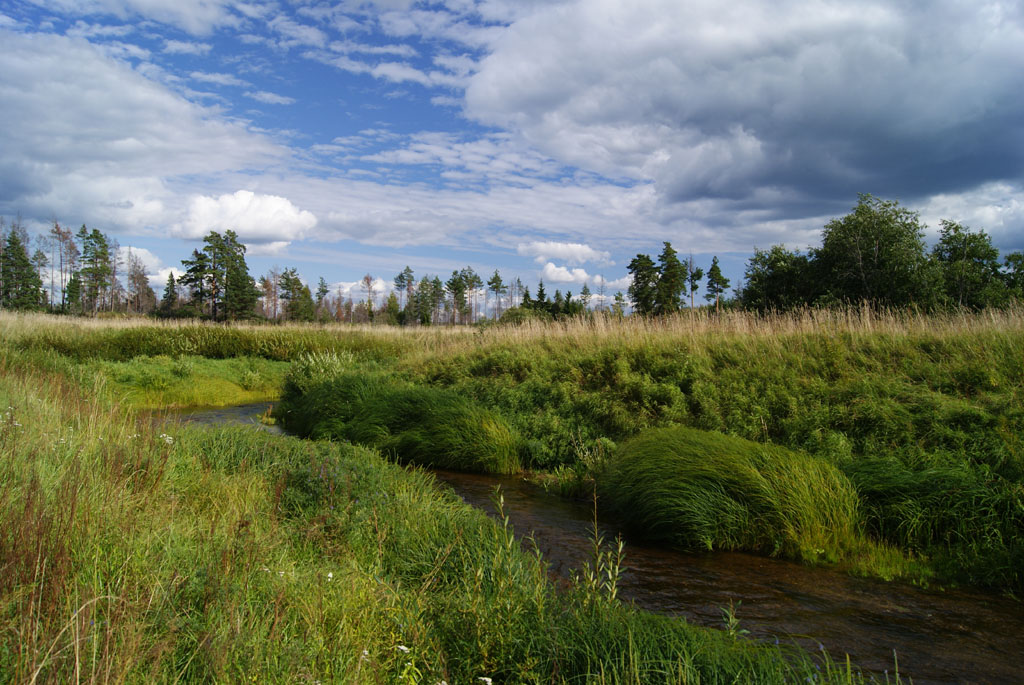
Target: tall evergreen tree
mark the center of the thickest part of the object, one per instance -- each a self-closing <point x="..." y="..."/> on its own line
<point x="169" y="301"/>
<point x="195" y="278"/>
<point x="456" y="289"/>
<point x="540" y="300"/>
<point x="298" y="300"/>
<point x="97" y="270"/>
<point x="403" y="283"/>
<point x="496" y="286"/>
<point x="717" y="283"/>
<point x="671" y="282"/>
<point x="73" y="294"/>
<point x="643" y="289"/>
<point x="473" y="284"/>
<point x="585" y="296"/>
<point x="20" y="285"/>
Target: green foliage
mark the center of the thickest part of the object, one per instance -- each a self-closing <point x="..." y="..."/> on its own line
<point x="717" y="283"/>
<point x="702" y="490"/>
<point x="20" y="285"/>
<point x="969" y="266"/>
<point x="643" y="288"/>
<point x="876" y="254"/>
<point x="162" y="381"/>
<point x="921" y="399"/>
<point x="967" y="516"/>
<point x="777" y="280"/>
<point x="418" y="425"/>
<point x="177" y="553"/>
<point x="672" y="275"/>
<point x="299" y="301"/>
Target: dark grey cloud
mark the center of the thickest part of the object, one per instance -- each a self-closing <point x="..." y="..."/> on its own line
<point x="790" y="107"/>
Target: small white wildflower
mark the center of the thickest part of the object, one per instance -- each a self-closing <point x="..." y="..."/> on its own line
<point x="281" y="573"/>
<point x="330" y="576"/>
<point x="403" y="649"/>
<point x="166" y="438"/>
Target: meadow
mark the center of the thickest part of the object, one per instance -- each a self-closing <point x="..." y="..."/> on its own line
<point x="142" y="551"/>
<point x="916" y="419"/>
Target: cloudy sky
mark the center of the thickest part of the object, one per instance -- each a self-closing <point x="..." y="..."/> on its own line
<point x="546" y="138"/>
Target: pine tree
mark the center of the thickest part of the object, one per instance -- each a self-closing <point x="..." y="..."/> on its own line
<point x="298" y="300"/>
<point x="619" y="305"/>
<point x="668" y="291"/>
<point x="73" y="294"/>
<point x="97" y="269"/>
<point x="169" y="301"/>
<point x="643" y="289"/>
<point x="403" y="283"/>
<point x="540" y="301"/>
<point x="717" y="283"/>
<point x="456" y="289"/>
<point x="496" y="286"/>
<point x="20" y="285"/>
<point x="195" y="278"/>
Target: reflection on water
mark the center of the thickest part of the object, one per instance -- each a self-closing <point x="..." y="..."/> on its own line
<point x="939" y="637"/>
<point x="242" y="414"/>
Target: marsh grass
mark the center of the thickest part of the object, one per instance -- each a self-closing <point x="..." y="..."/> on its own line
<point x="706" y="491"/>
<point x="133" y="553"/>
<point x="418" y="425"/>
<point x="905" y="405"/>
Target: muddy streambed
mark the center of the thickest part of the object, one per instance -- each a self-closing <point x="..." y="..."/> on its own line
<point x="954" y="636"/>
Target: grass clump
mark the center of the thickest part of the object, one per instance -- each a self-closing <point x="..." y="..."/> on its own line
<point x="418" y="425"/>
<point x="702" y="491"/>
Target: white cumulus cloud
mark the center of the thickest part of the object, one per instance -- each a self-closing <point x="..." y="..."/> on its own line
<point x="254" y="217"/>
<point x="560" y="274"/>
<point x="573" y="253"/>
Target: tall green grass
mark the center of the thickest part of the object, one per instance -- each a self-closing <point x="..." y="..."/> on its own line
<point x="418" y="425"/>
<point x="701" y="490"/>
<point x="905" y="405"/>
<point x="134" y="553"/>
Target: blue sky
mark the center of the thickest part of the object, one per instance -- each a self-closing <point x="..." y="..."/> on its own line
<point x="545" y="138"/>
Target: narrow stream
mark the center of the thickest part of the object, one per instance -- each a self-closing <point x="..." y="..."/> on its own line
<point x="955" y="636"/>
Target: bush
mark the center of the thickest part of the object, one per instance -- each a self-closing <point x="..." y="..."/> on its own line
<point x="702" y="490"/>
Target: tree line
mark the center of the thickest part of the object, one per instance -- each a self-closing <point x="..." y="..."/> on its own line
<point x="875" y="254"/>
<point x="70" y="272"/>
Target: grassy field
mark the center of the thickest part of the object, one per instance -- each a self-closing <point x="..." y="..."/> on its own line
<point x="137" y="552"/>
<point x="919" y="418"/>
